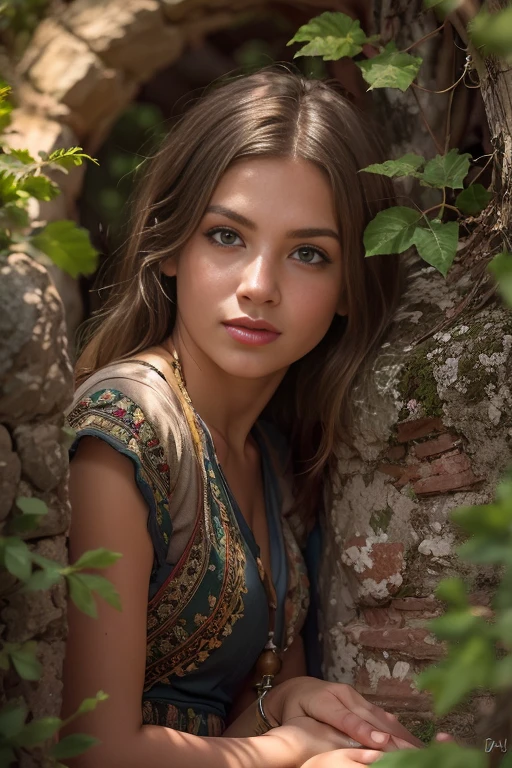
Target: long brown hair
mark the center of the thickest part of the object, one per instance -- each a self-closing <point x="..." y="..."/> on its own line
<point x="275" y="113"/>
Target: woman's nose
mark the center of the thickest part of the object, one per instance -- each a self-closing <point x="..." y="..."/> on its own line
<point x="259" y="281"/>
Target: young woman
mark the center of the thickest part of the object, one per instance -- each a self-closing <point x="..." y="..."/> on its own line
<point x="210" y="397"/>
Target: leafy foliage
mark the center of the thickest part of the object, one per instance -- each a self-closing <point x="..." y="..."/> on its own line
<point x="390" y="69"/>
<point x="491" y="33"/>
<point x="330" y="35"/>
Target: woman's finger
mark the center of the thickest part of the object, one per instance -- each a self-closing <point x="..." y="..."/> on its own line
<point x="362" y="756"/>
<point x="327" y="708"/>
<point x="381" y="720"/>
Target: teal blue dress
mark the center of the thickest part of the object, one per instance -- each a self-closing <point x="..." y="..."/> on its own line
<point x="208" y="617"/>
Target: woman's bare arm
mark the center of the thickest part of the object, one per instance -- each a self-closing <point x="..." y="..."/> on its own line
<point x="109" y="653"/>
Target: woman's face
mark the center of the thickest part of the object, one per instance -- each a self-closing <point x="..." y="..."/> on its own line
<point x="253" y="257"/>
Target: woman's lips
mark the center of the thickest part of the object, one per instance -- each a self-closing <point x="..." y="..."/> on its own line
<point x="250" y="336"/>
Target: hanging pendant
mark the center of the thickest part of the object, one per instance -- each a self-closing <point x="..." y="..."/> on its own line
<point x="268" y="665"/>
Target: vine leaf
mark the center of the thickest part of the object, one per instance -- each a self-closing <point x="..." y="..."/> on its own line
<point x="448" y="755"/>
<point x="391" y="231"/>
<point x="103" y="587"/>
<point x="73" y="745"/>
<point x="453" y="591"/>
<point x="501" y="268"/>
<point x="97" y="558"/>
<point x="68" y="246"/>
<point x="12" y="719"/>
<point x="447" y="170"/>
<point x="492" y="32"/>
<point x="437" y="243"/>
<point x="25" y="662"/>
<point x="37" y="732"/>
<point x="407" y="165"/>
<point x="40" y="187"/>
<point x="331" y="35"/>
<point x="451" y="680"/>
<point x="390" y="69"/>
<point x="473" y="200"/>
<point x="68" y="158"/>
<point x="81" y="595"/>
<point x="32" y="510"/>
<point x="16" y="558"/>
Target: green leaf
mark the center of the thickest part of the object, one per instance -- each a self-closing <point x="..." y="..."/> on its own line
<point x="88" y="705"/>
<point x="453" y="591"/>
<point x="40" y="187"/>
<point x="467" y="668"/>
<point x="331" y="35"/>
<point x="42" y="579"/>
<point x="68" y="246"/>
<point x="97" y="558"/>
<point x="502" y="677"/>
<point x="81" y="595"/>
<point x="437" y="243"/>
<point x="12" y="719"/>
<point x="403" y="166"/>
<point x="390" y="69"/>
<point x="447" y="755"/>
<point x="444" y="6"/>
<point x="25" y="662"/>
<point x="456" y="625"/>
<point x="448" y="170"/>
<point x="103" y="587"/>
<point x="486" y="550"/>
<point x="501" y="268"/>
<point x="484" y="519"/>
<point x="473" y="200"/>
<point x="17" y="558"/>
<point x="391" y="231"/>
<point x="13" y="217"/>
<point x="492" y="32"/>
<point x="32" y="509"/>
<point x="73" y="745"/>
<point x="23" y="156"/>
<point x="38" y="731"/>
<point x="69" y="158"/>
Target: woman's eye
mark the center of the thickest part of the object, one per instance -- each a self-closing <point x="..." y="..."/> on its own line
<point x="307" y="255"/>
<point x="223" y="236"/>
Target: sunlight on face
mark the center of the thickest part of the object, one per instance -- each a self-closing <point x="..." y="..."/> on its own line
<point x="268" y="249"/>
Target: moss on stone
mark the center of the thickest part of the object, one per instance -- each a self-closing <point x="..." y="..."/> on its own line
<point x="380" y="519"/>
<point x="417" y="382"/>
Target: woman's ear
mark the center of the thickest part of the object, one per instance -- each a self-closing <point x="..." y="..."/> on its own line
<point x="169" y="266"/>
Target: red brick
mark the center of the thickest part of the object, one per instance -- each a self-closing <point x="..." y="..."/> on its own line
<point x="413" y="472"/>
<point x="391" y="693"/>
<point x="394" y="470"/>
<point x="445" y="482"/>
<point x="383" y="617"/>
<point x="395" y="453"/>
<point x="409" y="641"/>
<point x="387" y="558"/>
<point x="450" y="464"/>
<point x="418" y="604"/>
<point x="412" y="430"/>
<point x="444" y="442"/>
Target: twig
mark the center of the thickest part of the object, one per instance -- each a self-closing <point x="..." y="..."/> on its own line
<point x="429" y="129"/>
<point x="425" y="37"/>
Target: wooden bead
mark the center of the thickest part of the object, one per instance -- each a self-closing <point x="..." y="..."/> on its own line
<point x="268" y="663"/>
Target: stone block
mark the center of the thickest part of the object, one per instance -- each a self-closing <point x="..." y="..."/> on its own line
<point x="10" y="473"/>
<point x="60" y="64"/>
<point x="44" y="459"/>
<point x="412" y="430"/>
<point x="131" y="35"/>
<point x="36" y="378"/>
<point x="395" y="453"/>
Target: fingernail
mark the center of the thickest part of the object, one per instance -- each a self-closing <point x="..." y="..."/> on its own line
<point x="380" y="738"/>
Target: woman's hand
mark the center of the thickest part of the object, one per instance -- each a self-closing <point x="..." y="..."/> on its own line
<point x="340" y="706"/>
<point x="307" y="740"/>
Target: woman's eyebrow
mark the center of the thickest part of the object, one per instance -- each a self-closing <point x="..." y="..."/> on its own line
<point x="306" y="232"/>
